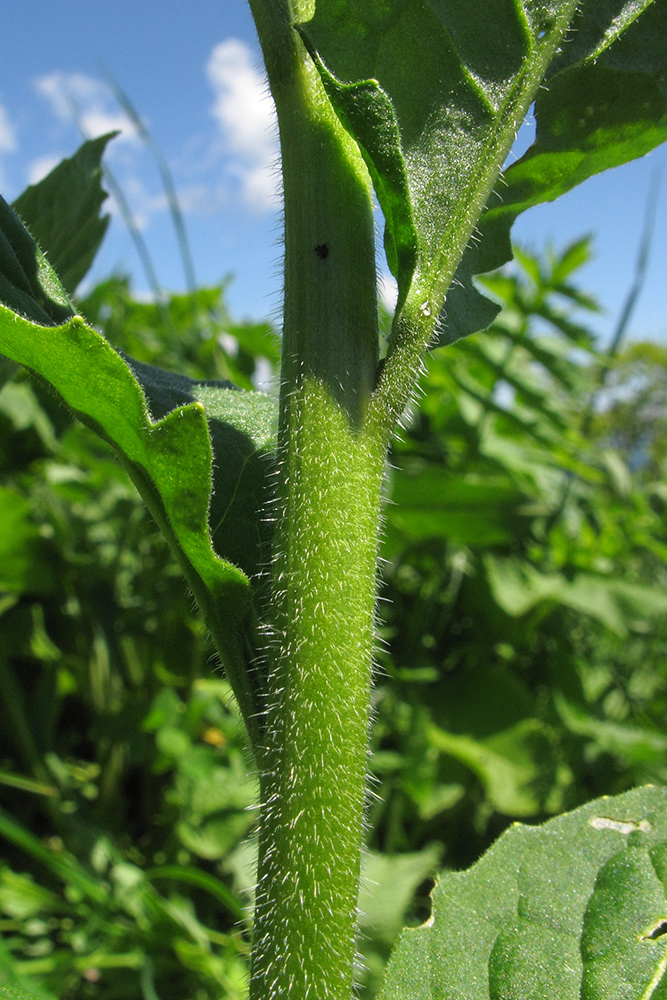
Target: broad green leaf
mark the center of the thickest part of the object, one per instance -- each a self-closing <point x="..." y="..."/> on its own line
<point x="243" y="427"/>
<point x="388" y="885"/>
<point x="473" y="509"/>
<point x="605" y="104"/>
<point x="518" y="587"/>
<point x="169" y="459"/>
<point x="569" y="910"/>
<point x="62" y="212"/>
<point x="520" y="768"/>
<point x="433" y="93"/>
<point x="28" y="283"/>
<point x="623" y="945"/>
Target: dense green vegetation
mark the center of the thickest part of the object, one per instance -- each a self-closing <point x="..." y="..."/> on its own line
<point x="525" y="560"/>
<point x="126" y="790"/>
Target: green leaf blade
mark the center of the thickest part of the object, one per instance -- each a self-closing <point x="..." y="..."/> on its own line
<point x="170" y="460"/>
<point x="243" y="430"/>
<point x="572" y="909"/>
<point x="456" y="93"/>
<point x="28" y="283"/>
<point x="62" y="211"/>
<point x="434" y="93"/>
<point x="605" y="104"/>
<point x="623" y="945"/>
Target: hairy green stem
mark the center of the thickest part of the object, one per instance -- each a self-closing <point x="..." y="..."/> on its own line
<point x="313" y="778"/>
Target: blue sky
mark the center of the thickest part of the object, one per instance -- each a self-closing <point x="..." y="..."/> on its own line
<point x="193" y="71"/>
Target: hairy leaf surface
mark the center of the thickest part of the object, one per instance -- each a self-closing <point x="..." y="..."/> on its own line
<point x="575" y="908"/>
<point x="605" y="104"/>
<point x="434" y="94"/>
<point x="243" y="429"/>
<point x="28" y="283"/>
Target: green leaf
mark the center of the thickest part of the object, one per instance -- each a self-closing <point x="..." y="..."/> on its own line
<point x="12" y="992"/>
<point x="202" y="880"/>
<point x="605" y="104"/>
<point x="243" y="429"/>
<point x="433" y="93"/>
<point x="520" y="768"/>
<point x="623" y="944"/>
<point x="518" y="587"/>
<point x="573" y="909"/>
<point x="62" y="212"/>
<point x="627" y="743"/>
<point x="169" y="459"/>
<point x="473" y="509"/>
<point x="28" y="283"/>
<point x="388" y="885"/>
<point x="63" y="866"/>
<point x="24" y="567"/>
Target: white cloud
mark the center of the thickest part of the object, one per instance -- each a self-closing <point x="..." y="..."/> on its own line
<point x="388" y="289"/>
<point x="86" y="100"/>
<point x="261" y="185"/>
<point x="7" y="133"/>
<point x="246" y="115"/>
<point x="200" y="199"/>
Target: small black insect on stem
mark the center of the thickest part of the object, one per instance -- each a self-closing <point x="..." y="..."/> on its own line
<point x="322" y="251"/>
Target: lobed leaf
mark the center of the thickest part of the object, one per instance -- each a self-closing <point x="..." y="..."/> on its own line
<point x="243" y="429"/>
<point x="605" y="104"/>
<point x="62" y="212"/>
<point x="573" y="909"/>
<point x="170" y="460"/>
<point x="433" y="93"/>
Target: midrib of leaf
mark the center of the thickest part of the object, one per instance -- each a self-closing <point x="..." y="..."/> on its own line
<point x="657" y="978"/>
<point x="619" y="25"/>
<point x="508" y="118"/>
<point x="437" y="263"/>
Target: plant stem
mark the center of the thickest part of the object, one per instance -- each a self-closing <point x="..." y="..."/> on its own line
<point x="328" y="506"/>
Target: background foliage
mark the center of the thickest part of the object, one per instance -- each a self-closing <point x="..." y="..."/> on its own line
<point x="521" y="669"/>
